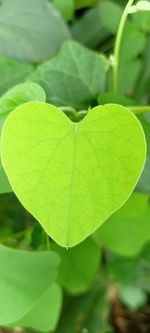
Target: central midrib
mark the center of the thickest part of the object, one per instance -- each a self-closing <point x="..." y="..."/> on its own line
<point x="71" y="182"/>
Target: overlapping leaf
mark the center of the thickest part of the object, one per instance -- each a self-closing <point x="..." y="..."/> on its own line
<point x="74" y="77"/>
<point x="128" y="229"/>
<point x="16" y="96"/>
<point x="24" y="279"/>
<point x="74" y="275"/>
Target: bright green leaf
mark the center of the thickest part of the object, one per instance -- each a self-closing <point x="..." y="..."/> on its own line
<point x="12" y="73"/>
<point x="72" y="176"/>
<point x="16" y="96"/>
<point x="74" y="275"/>
<point x="74" y="77"/>
<point x="24" y="278"/>
<point x="128" y="229"/>
<point x="35" y="26"/>
<point x="45" y="313"/>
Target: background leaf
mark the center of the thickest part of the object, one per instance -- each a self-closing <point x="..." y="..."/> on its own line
<point x="74" y="77"/>
<point x="85" y="3"/>
<point x="44" y="315"/>
<point x="33" y="24"/>
<point x="128" y="229"/>
<point x="66" y="8"/>
<point x="87" y="313"/>
<point x="74" y="275"/>
<point x="16" y="96"/>
<point x="144" y="181"/>
<point x="25" y="277"/>
<point x="12" y="72"/>
<point x="92" y="28"/>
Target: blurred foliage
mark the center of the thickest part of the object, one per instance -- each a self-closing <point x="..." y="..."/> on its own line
<point x="115" y="261"/>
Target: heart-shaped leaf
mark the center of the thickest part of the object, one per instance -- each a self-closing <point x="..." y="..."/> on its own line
<point x="72" y="176"/>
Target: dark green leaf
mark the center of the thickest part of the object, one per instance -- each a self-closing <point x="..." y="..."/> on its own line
<point x="85" y="3"/>
<point x="110" y="97"/>
<point x="74" y="77"/>
<point x="93" y="28"/>
<point x="74" y="275"/>
<point x="87" y="313"/>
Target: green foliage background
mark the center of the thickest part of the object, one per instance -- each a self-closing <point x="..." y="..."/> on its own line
<point x="59" y="51"/>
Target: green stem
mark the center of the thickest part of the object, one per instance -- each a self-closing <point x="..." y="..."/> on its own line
<point x="68" y="109"/>
<point x="118" y="45"/>
<point x="47" y="242"/>
<point x="139" y="109"/>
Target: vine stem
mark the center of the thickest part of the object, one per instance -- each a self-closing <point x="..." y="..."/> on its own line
<point x="137" y="110"/>
<point x="118" y="45"/>
<point x="47" y="242"/>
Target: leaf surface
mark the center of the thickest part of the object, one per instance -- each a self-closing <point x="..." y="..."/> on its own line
<point x="128" y="229"/>
<point x="72" y="176"/>
<point x="33" y="24"/>
<point x="20" y="94"/>
<point x="24" y="278"/>
<point x="75" y="275"/>
<point x="74" y="77"/>
<point x="12" y="72"/>
<point x="45" y="313"/>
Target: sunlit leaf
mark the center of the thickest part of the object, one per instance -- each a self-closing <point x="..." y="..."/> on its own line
<point x="45" y="155"/>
